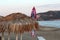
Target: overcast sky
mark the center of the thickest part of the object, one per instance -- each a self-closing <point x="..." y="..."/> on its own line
<point x="24" y="6"/>
<point x="28" y="2"/>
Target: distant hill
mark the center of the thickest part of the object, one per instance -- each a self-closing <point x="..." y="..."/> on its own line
<point x="50" y="15"/>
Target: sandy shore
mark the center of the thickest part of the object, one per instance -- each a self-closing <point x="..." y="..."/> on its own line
<point x="47" y="34"/>
<point x="46" y="28"/>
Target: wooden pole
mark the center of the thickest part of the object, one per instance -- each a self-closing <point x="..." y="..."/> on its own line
<point x="20" y="36"/>
<point x="2" y="35"/>
<point x="16" y="36"/>
<point x="8" y="35"/>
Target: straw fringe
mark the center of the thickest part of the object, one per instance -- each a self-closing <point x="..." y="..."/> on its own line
<point x="18" y="23"/>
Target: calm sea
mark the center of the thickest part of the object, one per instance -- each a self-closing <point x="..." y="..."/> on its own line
<point x="55" y="23"/>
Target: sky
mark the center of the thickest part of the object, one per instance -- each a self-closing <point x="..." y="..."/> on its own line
<point x="24" y="6"/>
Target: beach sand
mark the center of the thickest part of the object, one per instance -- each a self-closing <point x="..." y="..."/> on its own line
<point x="47" y="34"/>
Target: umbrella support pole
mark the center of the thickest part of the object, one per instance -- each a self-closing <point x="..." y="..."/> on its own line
<point x="20" y="36"/>
<point x="16" y="36"/>
<point x="2" y="35"/>
<point x="9" y="36"/>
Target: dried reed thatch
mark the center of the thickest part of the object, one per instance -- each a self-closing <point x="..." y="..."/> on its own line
<point x="20" y="23"/>
<point x="2" y="28"/>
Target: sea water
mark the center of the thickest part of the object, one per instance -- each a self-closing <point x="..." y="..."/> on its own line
<point x="55" y="23"/>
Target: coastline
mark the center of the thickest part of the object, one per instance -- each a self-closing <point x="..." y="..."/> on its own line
<point x="46" y="28"/>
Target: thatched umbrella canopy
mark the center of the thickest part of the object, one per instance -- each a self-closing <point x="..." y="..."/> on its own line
<point x="19" y="23"/>
<point x="2" y="24"/>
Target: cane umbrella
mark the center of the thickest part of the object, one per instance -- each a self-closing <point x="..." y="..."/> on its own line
<point x="20" y="23"/>
<point x="2" y="26"/>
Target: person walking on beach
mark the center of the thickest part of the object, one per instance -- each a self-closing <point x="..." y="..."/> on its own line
<point x="33" y="13"/>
